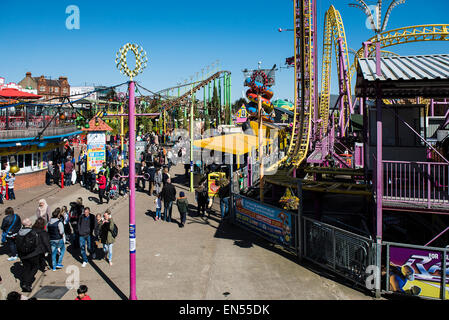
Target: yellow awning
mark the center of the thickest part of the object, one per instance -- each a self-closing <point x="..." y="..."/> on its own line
<point x="236" y="143"/>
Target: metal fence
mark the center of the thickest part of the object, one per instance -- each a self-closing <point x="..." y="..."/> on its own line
<point x="342" y="252"/>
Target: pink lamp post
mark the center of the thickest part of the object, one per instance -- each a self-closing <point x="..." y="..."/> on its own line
<point x="141" y="63"/>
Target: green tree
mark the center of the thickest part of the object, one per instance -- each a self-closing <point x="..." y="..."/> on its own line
<point x="214" y="106"/>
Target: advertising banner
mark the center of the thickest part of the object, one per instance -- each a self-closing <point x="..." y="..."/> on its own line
<point x="140" y="148"/>
<point x="96" y="150"/>
<point x="272" y="223"/>
<point x="417" y="272"/>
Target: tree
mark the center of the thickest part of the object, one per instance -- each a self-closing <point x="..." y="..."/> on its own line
<point x="214" y="107"/>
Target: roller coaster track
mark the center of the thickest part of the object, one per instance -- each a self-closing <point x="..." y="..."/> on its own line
<point x="304" y="83"/>
<point x="304" y="69"/>
<point x="169" y="104"/>
<point x="431" y="32"/>
<point x="334" y="32"/>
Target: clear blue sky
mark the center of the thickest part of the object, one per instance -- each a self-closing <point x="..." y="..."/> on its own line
<point x="181" y="37"/>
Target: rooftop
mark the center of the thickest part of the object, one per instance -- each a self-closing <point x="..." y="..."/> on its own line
<point x="404" y="76"/>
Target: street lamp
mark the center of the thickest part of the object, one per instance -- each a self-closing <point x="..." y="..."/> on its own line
<point x="122" y="66"/>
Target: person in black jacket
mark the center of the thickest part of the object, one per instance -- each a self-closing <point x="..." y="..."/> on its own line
<point x="76" y="210"/>
<point x="11" y="230"/>
<point x="86" y="227"/>
<point x="124" y="182"/>
<point x="152" y="174"/>
<point x="44" y="247"/>
<point x="168" y="195"/>
<point x="202" y="198"/>
<point x="224" y="193"/>
<point x="30" y="261"/>
<point x="143" y="169"/>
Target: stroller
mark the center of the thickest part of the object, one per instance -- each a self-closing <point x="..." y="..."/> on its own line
<point x="113" y="189"/>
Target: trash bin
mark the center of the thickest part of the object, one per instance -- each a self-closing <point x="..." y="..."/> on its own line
<point x="212" y="182"/>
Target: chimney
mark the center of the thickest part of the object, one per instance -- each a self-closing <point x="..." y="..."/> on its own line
<point x="28" y="74"/>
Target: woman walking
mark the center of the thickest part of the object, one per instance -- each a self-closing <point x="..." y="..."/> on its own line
<point x="44" y="247"/>
<point x="107" y="238"/>
<point x="43" y="211"/>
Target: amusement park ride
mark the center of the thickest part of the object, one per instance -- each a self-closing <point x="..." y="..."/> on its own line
<point x="314" y="133"/>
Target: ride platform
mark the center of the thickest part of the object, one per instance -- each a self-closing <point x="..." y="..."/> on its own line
<point x="281" y="178"/>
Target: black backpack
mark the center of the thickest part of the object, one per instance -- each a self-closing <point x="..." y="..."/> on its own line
<point x="27" y="243"/>
<point x="114" y="231"/>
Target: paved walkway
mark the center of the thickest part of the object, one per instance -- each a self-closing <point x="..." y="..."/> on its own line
<point x="203" y="260"/>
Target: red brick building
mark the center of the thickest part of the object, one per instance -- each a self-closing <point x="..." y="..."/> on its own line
<point x="48" y="88"/>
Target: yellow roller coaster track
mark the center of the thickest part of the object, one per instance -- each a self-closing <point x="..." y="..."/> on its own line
<point x="333" y="31"/>
<point x="304" y="82"/>
<point x="431" y="32"/>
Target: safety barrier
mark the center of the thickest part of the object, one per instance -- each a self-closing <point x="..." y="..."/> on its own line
<point x="424" y="183"/>
<point x="342" y="252"/>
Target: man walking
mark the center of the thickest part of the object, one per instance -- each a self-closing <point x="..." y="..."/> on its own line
<point x="11" y="225"/>
<point x="29" y="253"/>
<point x="86" y="226"/>
<point x="168" y="194"/>
<point x="224" y="193"/>
<point x="56" y="233"/>
<point x="68" y="168"/>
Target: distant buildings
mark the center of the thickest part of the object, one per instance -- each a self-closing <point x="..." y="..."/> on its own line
<point x="48" y="88"/>
<point x="32" y="135"/>
<point x="4" y="85"/>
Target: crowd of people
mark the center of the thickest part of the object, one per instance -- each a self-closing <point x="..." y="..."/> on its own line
<point x="42" y="245"/>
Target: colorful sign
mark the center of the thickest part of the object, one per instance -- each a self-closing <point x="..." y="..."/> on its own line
<point x="212" y="183"/>
<point x="270" y="222"/>
<point x="242" y="115"/>
<point x="96" y="150"/>
<point x="140" y="148"/>
<point x="417" y="272"/>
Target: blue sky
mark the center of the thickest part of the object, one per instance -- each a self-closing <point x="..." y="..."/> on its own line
<point x="181" y="38"/>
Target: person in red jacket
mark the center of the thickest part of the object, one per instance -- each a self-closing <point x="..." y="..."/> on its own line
<point x="82" y="293"/>
<point x="101" y="181"/>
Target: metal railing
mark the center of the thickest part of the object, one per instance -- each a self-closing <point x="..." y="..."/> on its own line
<point x="342" y="252"/>
<point x="423" y="183"/>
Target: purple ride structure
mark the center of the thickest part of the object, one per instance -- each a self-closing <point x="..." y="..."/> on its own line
<point x="386" y="92"/>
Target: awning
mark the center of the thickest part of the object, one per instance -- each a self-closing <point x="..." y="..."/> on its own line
<point x="17" y="94"/>
<point x="236" y="143"/>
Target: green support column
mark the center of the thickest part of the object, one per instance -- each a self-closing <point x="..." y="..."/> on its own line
<point x="219" y="107"/>
<point x="229" y="100"/>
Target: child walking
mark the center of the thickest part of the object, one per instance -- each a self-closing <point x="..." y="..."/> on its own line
<point x="10" y="180"/>
<point x="158" y="203"/>
<point x="183" y="207"/>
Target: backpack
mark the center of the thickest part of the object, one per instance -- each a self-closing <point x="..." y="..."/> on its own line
<point x="114" y="231"/>
<point x="27" y="243"/>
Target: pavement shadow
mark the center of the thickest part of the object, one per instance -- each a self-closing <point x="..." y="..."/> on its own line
<point x="94" y="199"/>
<point x="17" y="270"/>
<point x="179" y="179"/>
<point x="245" y="239"/>
<point x="110" y="283"/>
<point x="4" y="250"/>
<point x="151" y="214"/>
